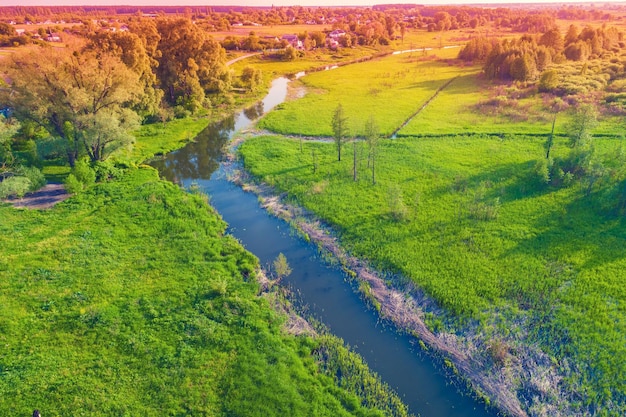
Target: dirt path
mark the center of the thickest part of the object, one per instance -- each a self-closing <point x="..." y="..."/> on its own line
<point x="44" y="198"/>
<point x="232" y="61"/>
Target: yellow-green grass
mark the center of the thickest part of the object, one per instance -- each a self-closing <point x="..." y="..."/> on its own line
<point x="391" y="89"/>
<point x="454" y="111"/>
<point x="483" y="237"/>
<point x="422" y="38"/>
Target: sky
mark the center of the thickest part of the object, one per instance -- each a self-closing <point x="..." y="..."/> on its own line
<point x="258" y="2"/>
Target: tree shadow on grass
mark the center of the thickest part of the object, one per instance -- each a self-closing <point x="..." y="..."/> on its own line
<point x="578" y="230"/>
<point x="507" y="182"/>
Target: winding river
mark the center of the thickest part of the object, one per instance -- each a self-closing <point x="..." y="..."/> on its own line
<point x="421" y="382"/>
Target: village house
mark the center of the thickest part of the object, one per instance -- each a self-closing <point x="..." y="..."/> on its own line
<point x="293" y="40"/>
<point x="336" y="34"/>
<point x="53" y="37"/>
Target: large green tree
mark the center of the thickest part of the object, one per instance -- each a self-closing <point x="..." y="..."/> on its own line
<point x="130" y="48"/>
<point x="8" y="129"/>
<point x="84" y="98"/>
<point x="191" y="64"/>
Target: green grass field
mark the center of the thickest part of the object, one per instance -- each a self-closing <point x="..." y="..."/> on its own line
<point x="395" y="87"/>
<point x="483" y="238"/>
<point x="128" y="299"/>
<point x="391" y="89"/>
<point x="310" y="61"/>
<point x="454" y="111"/>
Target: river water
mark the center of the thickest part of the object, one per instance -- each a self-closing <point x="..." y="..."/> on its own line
<point x="422" y="383"/>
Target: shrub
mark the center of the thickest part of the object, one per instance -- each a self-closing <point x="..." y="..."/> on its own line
<point x="548" y="81"/>
<point x="84" y="173"/>
<point x="35" y="176"/>
<point x="72" y="185"/>
<point x="482" y="210"/>
<point x="181" y="112"/>
<point x="106" y="170"/>
<point x="397" y="208"/>
<point x="542" y="171"/>
<point x="14" y="186"/>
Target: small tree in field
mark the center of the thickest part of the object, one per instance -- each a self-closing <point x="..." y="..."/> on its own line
<point x="583" y="122"/>
<point x="340" y="129"/>
<point x="550" y="141"/>
<point x="372" y="137"/>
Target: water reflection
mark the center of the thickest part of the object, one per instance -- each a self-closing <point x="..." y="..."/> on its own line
<point x="200" y="158"/>
<point x="255" y="111"/>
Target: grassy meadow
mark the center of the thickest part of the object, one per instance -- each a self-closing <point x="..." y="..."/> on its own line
<point x="392" y="89"/>
<point x="471" y="105"/>
<point x="457" y="110"/>
<point x="128" y="299"/>
<point x="395" y="87"/>
<point x="467" y="219"/>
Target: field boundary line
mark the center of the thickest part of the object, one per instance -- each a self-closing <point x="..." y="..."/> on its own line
<point x="411" y="117"/>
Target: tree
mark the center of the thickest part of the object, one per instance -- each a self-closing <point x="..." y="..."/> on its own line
<point x="548" y="81"/>
<point x="577" y="51"/>
<point x="579" y="162"/>
<point x="8" y="128"/>
<point x="319" y="38"/>
<point x="390" y="25"/>
<point x="15" y="179"/>
<point x="131" y="50"/>
<point x="550" y="141"/>
<point x="522" y="68"/>
<point x="191" y="64"/>
<point x="77" y="95"/>
<point x="340" y="129"/>
<point x="552" y="39"/>
<point x="571" y="36"/>
<point x="372" y="137"/>
<point x="7" y="30"/>
<point x="402" y="30"/>
<point x="581" y="125"/>
<point x="281" y="267"/>
<point x="442" y="20"/>
<point x="251" y="77"/>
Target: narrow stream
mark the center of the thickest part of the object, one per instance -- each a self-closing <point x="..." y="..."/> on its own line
<point x="420" y="382"/>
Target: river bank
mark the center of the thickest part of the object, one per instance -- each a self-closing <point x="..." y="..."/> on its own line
<point x="462" y="353"/>
<point x="514" y="375"/>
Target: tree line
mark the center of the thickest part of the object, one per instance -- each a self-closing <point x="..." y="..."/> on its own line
<point x="86" y="99"/>
<point x="523" y="59"/>
<point x="98" y="89"/>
